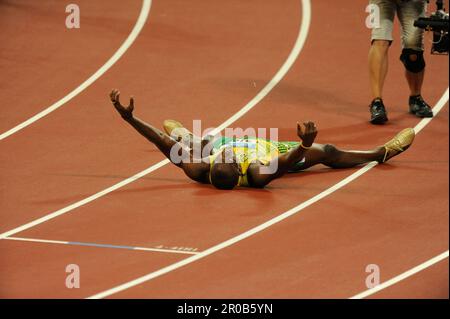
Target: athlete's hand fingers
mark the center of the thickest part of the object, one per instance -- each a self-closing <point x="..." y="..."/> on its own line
<point x="117" y="98"/>
<point x="299" y="129"/>
<point x="131" y="106"/>
<point x="113" y="95"/>
<point x="307" y="127"/>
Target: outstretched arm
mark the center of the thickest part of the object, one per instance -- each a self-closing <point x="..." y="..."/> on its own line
<point x="193" y="169"/>
<point x="284" y="162"/>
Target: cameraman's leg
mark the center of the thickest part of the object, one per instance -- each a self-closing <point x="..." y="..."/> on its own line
<point x="378" y="66"/>
<point x="381" y="40"/>
<point x="378" y="58"/>
<point x="412" y="43"/>
<point x="412" y="54"/>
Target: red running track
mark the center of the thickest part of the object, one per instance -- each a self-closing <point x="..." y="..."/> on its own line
<point x="207" y="61"/>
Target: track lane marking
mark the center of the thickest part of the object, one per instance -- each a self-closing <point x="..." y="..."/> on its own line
<point x="145" y="11"/>
<point x="402" y="276"/>
<point x="438" y="107"/>
<point x="300" y="41"/>
<point x="83" y="201"/>
<point x="418" y="128"/>
<point x="77" y="243"/>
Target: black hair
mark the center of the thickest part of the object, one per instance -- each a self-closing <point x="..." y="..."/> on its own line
<point x="223" y="176"/>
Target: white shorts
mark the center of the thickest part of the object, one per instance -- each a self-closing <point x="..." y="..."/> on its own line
<point x="407" y="11"/>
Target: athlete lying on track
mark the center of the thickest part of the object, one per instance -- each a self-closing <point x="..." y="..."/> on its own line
<point x="247" y="159"/>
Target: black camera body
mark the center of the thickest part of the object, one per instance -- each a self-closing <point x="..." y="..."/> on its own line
<point x="438" y="23"/>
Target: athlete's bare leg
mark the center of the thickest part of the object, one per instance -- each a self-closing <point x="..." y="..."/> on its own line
<point x="331" y="156"/>
<point x="326" y="154"/>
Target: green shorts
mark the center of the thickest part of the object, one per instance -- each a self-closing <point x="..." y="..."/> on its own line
<point x="283" y="147"/>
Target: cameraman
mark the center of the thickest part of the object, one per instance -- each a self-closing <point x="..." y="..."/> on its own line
<point x="411" y="56"/>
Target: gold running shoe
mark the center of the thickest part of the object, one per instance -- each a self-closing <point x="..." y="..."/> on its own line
<point x="400" y="143"/>
<point x="175" y="129"/>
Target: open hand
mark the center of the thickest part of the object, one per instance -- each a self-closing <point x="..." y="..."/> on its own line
<point x="125" y="111"/>
<point x="308" y="135"/>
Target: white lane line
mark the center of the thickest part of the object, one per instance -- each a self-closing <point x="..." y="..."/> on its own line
<point x="145" y="10"/>
<point x="83" y="201"/>
<point x="77" y="243"/>
<point x="402" y="276"/>
<point x="300" y="42"/>
<point x="306" y="19"/>
<point x="439" y="105"/>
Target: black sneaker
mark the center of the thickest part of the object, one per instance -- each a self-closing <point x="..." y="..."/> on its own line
<point x="378" y="112"/>
<point x="419" y="107"/>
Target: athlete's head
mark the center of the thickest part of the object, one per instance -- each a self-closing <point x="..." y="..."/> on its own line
<point x="225" y="170"/>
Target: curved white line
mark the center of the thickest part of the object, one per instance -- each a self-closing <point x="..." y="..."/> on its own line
<point x="300" y="42"/>
<point x="402" y="276"/>
<point x="145" y="10"/>
<point x="263" y="226"/>
<point x="304" y="28"/>
<point x="440" y="104"/>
